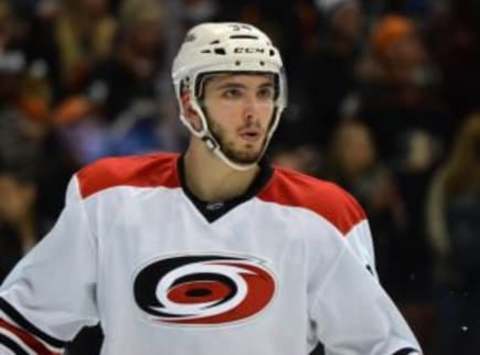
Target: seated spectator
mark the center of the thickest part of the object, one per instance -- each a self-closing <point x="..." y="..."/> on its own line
<point x="84" y="31"/>
<point x="119" y="111"/>
<point x="128" y="76"/>
<point x="23" y="84"/>
<point x="402" y="262"/>
<point x="20" y="224"/>
<point x="26" y="138"/>
<point x="398" y="91"/>
<point x="454" y="228"/>
<point x="400" y="102"/>
<point x="326" y="77"/>
<point x="19" y="231"/>
<point x="353" y="163"/>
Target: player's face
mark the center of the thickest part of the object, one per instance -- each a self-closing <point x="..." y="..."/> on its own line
<point x="239" y="109"/>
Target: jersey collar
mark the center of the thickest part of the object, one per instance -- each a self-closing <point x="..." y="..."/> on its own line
<point x="215" y="210"/>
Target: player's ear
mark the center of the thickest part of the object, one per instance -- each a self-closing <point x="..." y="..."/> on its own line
<point x="189" y="112"/>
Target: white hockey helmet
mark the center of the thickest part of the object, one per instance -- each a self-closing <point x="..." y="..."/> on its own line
<point x="212" y="48"/>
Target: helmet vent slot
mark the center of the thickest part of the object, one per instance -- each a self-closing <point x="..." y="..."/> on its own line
<point x="215" y="42"/>
<point x="272" y="52"/>
<point x="206" y="51"/>
<point x="220" y="51"/>
<point x="243" y="37"/>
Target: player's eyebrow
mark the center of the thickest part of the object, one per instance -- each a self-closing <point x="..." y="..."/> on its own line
<point x="235" y="85"/>
<point x="266" y="85"/>
<point x="230" y="85"/>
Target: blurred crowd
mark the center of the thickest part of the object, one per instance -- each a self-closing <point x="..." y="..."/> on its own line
<point x="384" y="99"/>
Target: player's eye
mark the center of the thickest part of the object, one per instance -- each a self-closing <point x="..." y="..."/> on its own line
<point x="266" y="93"/>
<point x="232" y="93"/>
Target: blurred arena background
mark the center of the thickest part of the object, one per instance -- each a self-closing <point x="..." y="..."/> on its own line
<point x="384" y="99"/>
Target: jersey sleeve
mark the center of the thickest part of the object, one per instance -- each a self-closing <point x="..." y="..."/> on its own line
<point x="50" y="295"/>
<point x="352" y="313"/>
<point x="359" y="240"/>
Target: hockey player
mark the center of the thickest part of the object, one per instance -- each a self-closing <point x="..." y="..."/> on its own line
<point x="212" y="252"/>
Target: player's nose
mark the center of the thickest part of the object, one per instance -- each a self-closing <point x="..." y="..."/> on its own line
<point x="252" y="107"/>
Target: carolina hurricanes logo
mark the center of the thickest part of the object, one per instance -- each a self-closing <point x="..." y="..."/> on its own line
<point x="203" y="289"/>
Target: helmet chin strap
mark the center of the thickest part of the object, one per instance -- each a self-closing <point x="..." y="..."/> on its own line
<point x="216" y="148"/>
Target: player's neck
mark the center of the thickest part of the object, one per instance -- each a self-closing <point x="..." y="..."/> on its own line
<point x="211" y="180"/>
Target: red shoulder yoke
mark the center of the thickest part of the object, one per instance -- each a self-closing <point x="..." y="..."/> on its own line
<point x="151" y="170"/>
<point x="290" y="188"/>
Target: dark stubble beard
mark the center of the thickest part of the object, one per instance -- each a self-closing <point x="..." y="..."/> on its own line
<point x="228" y="148"/>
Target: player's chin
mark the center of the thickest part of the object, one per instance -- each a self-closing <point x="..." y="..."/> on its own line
<point x="245" y="156"/>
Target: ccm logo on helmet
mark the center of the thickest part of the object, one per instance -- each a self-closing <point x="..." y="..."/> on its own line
<point x="203" y="289"/>
<point x="249" y="50"/>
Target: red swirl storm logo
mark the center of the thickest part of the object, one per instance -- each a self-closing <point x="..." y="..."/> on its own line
<point x="204" y="289"/>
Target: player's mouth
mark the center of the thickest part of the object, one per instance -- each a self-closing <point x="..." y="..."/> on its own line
<point x="250" y="134"/>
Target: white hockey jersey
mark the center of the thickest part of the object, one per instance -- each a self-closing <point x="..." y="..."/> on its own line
<point x="271" y="273"/>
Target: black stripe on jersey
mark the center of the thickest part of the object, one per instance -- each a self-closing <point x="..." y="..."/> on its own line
<point x="8" y="309"/>
<point x="11" y="345"/>
<point x="406" y="351"/>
